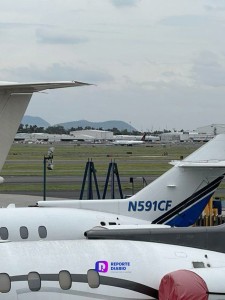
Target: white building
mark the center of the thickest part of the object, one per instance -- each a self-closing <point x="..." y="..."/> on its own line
<point x="212" y="129"/>
<point x="92" y="134"/>
<point x="175" y="137"/>
<point x="42" y="137"/>
<point x="195" y="137"/>
<point x="170" y="137"/>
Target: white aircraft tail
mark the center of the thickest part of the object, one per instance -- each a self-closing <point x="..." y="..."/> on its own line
<point x="143" y="137"/>
<point x="14" y="99"/>
<point x="176" y="198"/>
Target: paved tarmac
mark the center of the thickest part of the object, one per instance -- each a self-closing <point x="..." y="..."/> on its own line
<point x="19" y="200"/>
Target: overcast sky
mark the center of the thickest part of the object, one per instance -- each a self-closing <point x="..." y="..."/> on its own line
<point x="156" y="63"/>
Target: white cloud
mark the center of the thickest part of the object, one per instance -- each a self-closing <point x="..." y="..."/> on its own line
<point x="50" y="36"/>
<point x="209" y="69"/>
<point x="56" y="72"/>
<point x="125" y="3"/>
<point x="215" y="5"/>
<point x="185" y="20"/>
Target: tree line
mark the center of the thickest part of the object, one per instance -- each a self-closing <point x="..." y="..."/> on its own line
<point x="58" y="129"/>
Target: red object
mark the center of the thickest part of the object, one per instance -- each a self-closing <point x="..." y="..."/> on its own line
<point x="182" y="285"/>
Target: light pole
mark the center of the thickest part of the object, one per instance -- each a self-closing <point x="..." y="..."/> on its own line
<point x="139" y="177"/>
<point x="48" y="160"/>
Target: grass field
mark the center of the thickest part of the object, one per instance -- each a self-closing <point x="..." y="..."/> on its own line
<point x="26" y="160"/>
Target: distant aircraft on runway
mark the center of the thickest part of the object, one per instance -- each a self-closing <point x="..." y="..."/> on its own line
<point x="130" y="140"/>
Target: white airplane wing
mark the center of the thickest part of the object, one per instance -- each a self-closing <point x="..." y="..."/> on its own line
<point x="39" y="86"/>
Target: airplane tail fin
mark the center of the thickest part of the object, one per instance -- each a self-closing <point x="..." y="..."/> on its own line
<point x="14" y="99"/>
<point x="178" y="197"/>
<point x="143" y="137"/>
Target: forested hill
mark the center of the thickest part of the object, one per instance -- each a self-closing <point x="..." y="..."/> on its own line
<point x="38" y="122"/>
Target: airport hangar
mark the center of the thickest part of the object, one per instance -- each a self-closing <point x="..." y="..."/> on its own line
<point x="79" y="135"/>
<point x="201" y="134"/>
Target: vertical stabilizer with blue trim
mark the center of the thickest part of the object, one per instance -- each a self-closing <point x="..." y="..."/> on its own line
<point x="176" y="198"/>
<point x="187" y="187"/>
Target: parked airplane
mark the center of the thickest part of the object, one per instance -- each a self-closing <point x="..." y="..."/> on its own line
<point x="109" y="270"/>
<point x="145" y="137"/>
<point x="128" y="141"/>
<point x="177" y="198"/>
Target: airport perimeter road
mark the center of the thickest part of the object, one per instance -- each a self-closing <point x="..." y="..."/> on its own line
<point x="68" y="187"/>
<point x="25" y="198"/>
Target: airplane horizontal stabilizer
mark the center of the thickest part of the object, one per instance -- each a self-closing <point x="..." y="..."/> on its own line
<point x="200" y="164"/>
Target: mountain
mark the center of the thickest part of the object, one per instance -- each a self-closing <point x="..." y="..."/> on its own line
<point x="34" y="121"/>
<point x="96" y="125"/>
<point x="30" y="120"/>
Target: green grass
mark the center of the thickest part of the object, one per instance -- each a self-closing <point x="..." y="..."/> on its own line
<point x="28" y="159"/>
<point x="70" y="160"/>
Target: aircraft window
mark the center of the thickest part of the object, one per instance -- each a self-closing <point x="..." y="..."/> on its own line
<point x="5" y="283"/>
<point x="198" y="264"/>
<point x="42" y="232"/>
<point x="65" y="280"/>
<point x="4" y="233"/>
<point x="93" y="279"/>
<point x="34" y="281"/>
<point x="24" y="232"/>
